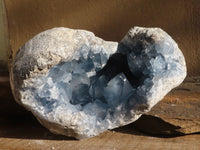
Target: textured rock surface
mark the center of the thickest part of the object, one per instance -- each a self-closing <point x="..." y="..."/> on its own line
<point x="79" y="85"/>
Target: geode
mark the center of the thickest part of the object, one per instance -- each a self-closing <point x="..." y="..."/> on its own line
<point x="79" y="85"/>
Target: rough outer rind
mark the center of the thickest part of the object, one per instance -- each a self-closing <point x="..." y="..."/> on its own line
<point x="53" y="47"/>
<point x="48" y="49"/>
<point x="44" y="51"/>
<point x="164" y="79"/>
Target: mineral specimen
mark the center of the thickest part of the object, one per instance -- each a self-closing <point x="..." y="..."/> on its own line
<point x="79" y="85"/>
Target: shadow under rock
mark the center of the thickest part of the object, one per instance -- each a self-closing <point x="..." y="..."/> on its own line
<point x="129" y="129"/>
<point x="148" y="125"/>
<point x="26" y="127"/>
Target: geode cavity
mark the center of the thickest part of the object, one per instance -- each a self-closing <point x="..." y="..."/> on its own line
<point x="79" y="85"/>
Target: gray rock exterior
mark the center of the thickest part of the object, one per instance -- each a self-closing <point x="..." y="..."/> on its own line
<point x="79" y="85"/>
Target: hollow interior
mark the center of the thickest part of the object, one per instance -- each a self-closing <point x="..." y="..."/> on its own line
<point x="98" y="84"/>
<point x="100" y="89"/>
<point x="95" y="83"/>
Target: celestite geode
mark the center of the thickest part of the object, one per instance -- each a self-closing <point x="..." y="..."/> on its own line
<point x="79" y="85"/>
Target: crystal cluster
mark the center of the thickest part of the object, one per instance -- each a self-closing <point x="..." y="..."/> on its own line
<point x="79" y="85"/>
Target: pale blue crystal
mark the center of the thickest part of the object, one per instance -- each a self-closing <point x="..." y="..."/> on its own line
<point x="59" y="76"/>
